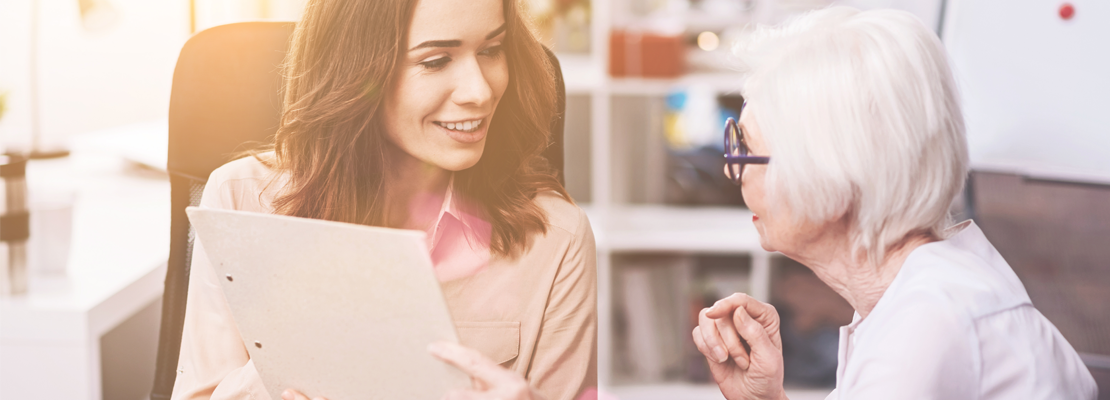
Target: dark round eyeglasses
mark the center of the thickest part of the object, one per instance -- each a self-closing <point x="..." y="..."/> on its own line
<point x="737" y="154"/>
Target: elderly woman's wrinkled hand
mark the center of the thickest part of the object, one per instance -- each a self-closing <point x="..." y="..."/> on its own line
<point x="740" y="339"/>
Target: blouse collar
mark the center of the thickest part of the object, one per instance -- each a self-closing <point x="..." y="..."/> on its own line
<point x="459" y="240"/>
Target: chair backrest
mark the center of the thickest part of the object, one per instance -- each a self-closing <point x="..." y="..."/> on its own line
<point x="1054" y="235"/>
<point x="226" y="95"/>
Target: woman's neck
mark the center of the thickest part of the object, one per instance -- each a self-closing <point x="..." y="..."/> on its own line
<point x="414" y="192"/>
<point x="858" y="281"/>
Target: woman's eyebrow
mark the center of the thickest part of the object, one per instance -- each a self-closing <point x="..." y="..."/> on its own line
<point x="496" y="32"/>
<point x="438" y="43"/>
<point x="455" y="43"/>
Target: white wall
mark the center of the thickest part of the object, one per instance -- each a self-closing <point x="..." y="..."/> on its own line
<point x="218" y="12"/>
<point x="15" y="29"/>
<point x="88" y="79"/>
<point x="100" y="78"/>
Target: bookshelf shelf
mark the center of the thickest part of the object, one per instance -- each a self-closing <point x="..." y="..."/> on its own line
<point x="584" y="75"/>
<point x="660" y="228"/>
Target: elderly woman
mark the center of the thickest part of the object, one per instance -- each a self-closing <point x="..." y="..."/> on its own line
<point x="849" y="152"/>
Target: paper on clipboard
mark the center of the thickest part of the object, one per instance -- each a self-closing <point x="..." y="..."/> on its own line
<point x="336" y="310"/>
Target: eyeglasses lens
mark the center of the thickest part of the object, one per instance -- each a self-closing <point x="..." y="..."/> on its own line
<point x="734" y="139"/>
<point x="735" y="148"/>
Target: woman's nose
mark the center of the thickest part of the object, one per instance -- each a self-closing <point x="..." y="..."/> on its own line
<point x="472" y="86"/>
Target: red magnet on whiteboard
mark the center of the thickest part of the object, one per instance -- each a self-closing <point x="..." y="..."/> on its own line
<point x="1067" y="11"/>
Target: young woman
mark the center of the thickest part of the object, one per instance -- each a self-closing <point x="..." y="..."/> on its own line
<point x="429" y="115"/>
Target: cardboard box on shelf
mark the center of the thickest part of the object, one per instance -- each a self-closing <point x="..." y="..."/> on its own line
<point x="649" y="55"/>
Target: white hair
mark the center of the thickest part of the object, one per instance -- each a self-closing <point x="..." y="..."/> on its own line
<point x="862" y="118"/>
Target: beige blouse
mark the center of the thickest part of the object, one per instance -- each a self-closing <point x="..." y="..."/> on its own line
<point x="535" y="314"/>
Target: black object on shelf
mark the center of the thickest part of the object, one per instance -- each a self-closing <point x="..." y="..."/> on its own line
<point x="696" y="177"/>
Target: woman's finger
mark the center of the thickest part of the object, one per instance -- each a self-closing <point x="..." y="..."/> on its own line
<point x="754" y="333"/>
<point x="731" y="338"/>
<point x="473" y="363"/>
<point x="699" y="342"/>
<point x="763" y="313"/>
<point x="723" y="307"/>
<point x="712" y="338"/>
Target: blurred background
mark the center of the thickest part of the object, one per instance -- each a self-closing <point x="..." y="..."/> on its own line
<point x="85" y="88"/>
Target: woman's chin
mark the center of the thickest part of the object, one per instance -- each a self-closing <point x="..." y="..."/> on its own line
<point x="459" y="162"/>
<point x="766" y="246"/>
<point x="763" y="242"/>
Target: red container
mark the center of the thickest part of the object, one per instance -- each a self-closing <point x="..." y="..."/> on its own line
<point x="646" y="55"/>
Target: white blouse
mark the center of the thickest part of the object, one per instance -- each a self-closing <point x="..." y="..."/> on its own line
<point x="956" y="323"/>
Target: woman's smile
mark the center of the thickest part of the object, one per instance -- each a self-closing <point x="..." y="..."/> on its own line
<point x="462" y="126"/>
<point x="465" y="131"/>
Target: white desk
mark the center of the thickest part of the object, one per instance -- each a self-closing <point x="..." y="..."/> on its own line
<point x="50" y="337"/>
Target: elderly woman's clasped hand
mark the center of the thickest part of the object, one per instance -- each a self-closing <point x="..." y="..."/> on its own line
<point x="739" y="336"/>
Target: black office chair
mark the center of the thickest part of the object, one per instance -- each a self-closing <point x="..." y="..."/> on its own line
<point x="226" y="95"/>
<point x="1054" y="235"/>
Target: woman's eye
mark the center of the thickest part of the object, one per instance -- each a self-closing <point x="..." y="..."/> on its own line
<point x="437" y="63"/>
<point x="493" y="51"/>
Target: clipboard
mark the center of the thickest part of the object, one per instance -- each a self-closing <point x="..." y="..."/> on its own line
<point x="331" y="309"/>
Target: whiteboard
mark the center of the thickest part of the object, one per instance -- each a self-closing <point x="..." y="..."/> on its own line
<point x="1035" y="87"/>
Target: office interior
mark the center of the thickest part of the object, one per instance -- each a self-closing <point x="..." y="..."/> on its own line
<point x="85" y="88"/>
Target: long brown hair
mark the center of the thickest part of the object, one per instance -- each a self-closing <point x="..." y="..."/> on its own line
<point x="330" y="145"/>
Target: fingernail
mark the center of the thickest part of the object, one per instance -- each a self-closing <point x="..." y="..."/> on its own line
<point x="720" y="353"/>
<point x="287" y="395"/>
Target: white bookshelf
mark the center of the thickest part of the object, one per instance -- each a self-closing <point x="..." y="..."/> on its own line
<point x="668" y="229"/>
<point x="660" y="228"/>
<point x="625" y="228"/>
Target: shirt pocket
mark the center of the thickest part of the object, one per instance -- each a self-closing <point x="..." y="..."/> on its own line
<point x="498" y="340"/>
